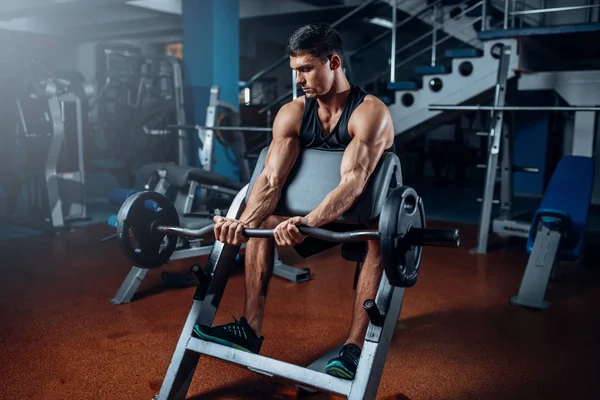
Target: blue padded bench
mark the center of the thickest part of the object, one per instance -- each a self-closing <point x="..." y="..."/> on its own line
<point x="558" y="227"/>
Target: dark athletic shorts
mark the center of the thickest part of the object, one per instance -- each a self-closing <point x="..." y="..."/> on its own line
<point x="311" y="246"/>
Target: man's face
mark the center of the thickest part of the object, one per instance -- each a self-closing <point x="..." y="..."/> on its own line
<point x="314" y="76"/>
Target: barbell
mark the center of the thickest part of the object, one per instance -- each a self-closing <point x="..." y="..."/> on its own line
<point x="148" y="230"/>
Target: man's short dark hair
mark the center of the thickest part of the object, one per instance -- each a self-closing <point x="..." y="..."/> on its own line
<point x="318" y="40"/>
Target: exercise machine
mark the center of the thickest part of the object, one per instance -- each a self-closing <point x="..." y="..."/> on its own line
<point x="50" y="147"/>
<point x="401" y="233"/>
<point x="558" y="228"/>
<point x="138" y="96"/>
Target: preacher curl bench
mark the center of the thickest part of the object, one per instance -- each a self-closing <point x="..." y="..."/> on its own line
<point x="402" y="234"/>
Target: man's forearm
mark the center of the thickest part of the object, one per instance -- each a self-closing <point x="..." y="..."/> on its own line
<point x="261" y="203"/>
<point x="335" y="204"/>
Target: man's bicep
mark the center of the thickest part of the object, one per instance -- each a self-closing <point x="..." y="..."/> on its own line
<point x="366" y="148"/>
<point x="280" y="159"/>
<point x="284" y="148"/>
<point x="359" y="160"/>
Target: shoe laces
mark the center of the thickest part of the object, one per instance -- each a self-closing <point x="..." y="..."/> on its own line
<point x="237" y="328"/>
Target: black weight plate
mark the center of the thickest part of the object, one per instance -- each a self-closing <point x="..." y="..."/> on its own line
<point x="136" y="220"/>
<point x="403" y="209"/>
<point x="412" y="254"/>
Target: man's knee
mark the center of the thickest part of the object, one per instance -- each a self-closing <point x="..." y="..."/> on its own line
<point x="374" y="248"/>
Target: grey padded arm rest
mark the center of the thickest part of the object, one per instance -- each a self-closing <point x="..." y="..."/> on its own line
<point x="317" y="172"/>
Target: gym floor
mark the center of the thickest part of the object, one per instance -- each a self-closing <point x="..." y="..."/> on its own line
<point x="457" y="338"/>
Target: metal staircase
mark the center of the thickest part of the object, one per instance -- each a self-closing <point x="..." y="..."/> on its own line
<point x="468" y="76"/>
<point x="450" y="75"/>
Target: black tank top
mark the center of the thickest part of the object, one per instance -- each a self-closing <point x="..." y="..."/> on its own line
<point x="311" y="130"/>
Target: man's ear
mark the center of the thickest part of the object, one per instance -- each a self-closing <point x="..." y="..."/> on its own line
<point x="335" y="62"/>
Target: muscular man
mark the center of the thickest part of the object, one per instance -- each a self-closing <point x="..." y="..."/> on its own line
<point x="334" y="115"/>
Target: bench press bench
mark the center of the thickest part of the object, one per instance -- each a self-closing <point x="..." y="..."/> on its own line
<point x="557" y="229"/>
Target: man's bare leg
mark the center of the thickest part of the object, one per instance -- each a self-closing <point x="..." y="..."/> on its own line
<point x="258" y="271"/>
<point x="368" y="283"/>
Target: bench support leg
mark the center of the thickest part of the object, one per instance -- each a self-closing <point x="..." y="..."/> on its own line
<point x="131" y="283"/>
<point x="539" y="268"/>
<point x="288" y="272"/>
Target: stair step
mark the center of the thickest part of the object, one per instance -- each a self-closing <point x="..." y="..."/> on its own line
<point x="463" y="53"/>
<point x="538" y="31"/>
<point x="405" y="85"/>
<point x="386" y="100"/>
<point x="433" y="69"/>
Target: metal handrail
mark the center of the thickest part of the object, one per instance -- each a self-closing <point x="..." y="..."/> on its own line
<point x="276" y="64"/>
<point x="554" y="9"/>
<point x="421" y="52"/>
<point x="462" y="14"/>
<point x="425" y="35"/>
<point x="433" y="45"/>
<point x="529" y="12"/>
<point x="476" y="39"/>
<point x="501" y="4"/>
<point x="383" y="35"/>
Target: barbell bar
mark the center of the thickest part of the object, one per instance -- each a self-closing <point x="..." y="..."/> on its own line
<point x="152" y="221"/>
<point x="417" y="236"/>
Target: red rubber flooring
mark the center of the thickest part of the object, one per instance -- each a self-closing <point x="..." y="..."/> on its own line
<point x="458" y="337"/>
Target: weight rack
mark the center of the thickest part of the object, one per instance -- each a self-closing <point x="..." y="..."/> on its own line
<point x="506" y="224"/>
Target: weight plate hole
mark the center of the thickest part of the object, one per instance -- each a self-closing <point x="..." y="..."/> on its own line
<point x="410" y="204"/>
<point x="163" y="245"/>
<point x="151" y="205"/>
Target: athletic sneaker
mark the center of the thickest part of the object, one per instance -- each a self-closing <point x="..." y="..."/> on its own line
<point x="237" y="334"/>
<point x="345" y="365"/>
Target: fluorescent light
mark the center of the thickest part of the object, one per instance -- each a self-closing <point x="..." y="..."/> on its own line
<point x="381" y="22"/>
<point x="247" y="96"/>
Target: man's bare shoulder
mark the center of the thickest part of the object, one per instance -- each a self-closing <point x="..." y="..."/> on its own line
<point x="293" y="109"/>
<point x="289" y="116"/>
<point x="370" y="111"/>
<point x="372" y="104"/>
<point x="372" y="120"/>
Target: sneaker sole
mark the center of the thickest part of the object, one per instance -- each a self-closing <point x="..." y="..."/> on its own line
<point x="214" y="339"/>
<point x="338" y="370"/>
